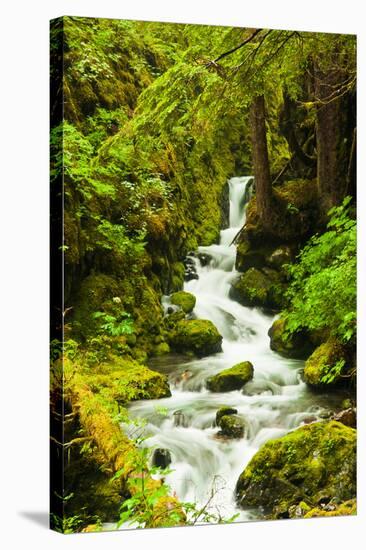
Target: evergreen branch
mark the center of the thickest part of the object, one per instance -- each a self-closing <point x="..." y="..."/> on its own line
<point x="229" y="52"/>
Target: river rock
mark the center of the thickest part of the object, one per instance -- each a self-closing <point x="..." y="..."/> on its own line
<point x="204" y="258"/>
<point x="180" y="420"/>
<point x="161" y="458"/>
<point x="232" y="426"/>
<point x="197" y="336"/>
<point x="313" y="463"/>
<point x="224" y="411"/>
<point x="259" y="288"/>
<point x="347" y="417"/>
<point x="326" y="365"/>
<point x="231" y="379"/>
<point x="185" y="300"/>
<point x="294" y="346"/>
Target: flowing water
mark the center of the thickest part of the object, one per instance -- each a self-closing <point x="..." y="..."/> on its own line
<point x="273" y="403"/>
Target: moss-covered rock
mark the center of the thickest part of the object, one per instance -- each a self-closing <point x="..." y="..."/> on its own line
<point x="161" y="349"/>
<point x="224" y="411"/>
<point x="198" y="336"/>
<point x="232" y="426"/>
<point x="314" y="463"/>
<point x="259" y="288"/>
<point x="125" y="380"/>
<point x="184" y="300"/>
<point x="231" y="379"/>
<point x="326" y="366"/>
<point x="294" y="346"/>
<point x="347" y="508"/>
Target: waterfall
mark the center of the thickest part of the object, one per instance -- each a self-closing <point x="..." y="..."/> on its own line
<point x="274" y="402"/>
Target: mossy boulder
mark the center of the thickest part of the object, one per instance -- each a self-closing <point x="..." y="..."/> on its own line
<point x="224" y="411"/>
<point x="326" y="366"/>
<point x="161" y="349"/>
<point x="259" y="288"/>
<point x="125" y="380"/>
<point x="197" y="336"/>
<point x="346" y="508"/>
<point x="314" y="463"/>
<point x="231" y="379"/>
<point x="232" y="426"/>
<point x="294" y="346"/>
<point x="185" y="300"/>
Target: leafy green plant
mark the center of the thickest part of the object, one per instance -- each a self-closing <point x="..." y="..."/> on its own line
<point x="115" y="326"/>
<point x="333" y="372"/>
<point x="322" y="291"/>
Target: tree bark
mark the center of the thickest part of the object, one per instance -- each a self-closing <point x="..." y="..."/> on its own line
<point x="262" y="174"/>
<point x="332" y="142"/>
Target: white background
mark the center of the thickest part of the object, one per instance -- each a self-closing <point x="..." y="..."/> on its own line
<point x="24" y="272"/>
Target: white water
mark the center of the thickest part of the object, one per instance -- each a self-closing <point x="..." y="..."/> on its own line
<point x="275" y="402"/>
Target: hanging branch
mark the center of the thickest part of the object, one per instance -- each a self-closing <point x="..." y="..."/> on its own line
<point x="229" y="52"/>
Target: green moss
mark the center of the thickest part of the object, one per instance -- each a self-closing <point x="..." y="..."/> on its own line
<point x="197" y="336"/>
<point x="224" y="411"/>
<point x="161" y="349"/>
<point x="326" y="366"/>
<point x="125" y="380"/>
<point x="296" y="346"/>
<point x="259" y="288"/>
<point x="313" y="463"/>
<point x="184" y="300"/>
<point x="347" y="508"/>
<point x="232" y="426"/>
<point x="230" y="379"/>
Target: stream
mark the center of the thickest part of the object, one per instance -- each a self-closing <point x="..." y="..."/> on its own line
<point x="205" y="466"/>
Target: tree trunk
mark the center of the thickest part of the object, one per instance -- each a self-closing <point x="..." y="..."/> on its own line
<point x="332" y="141"/>
<point x="262" y="174"/>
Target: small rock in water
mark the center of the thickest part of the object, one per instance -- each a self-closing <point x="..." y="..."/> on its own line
<point x="224" y="411"/>
<point x="309" y="419"/>
<point x="161" y="458"/>
<point x="347" y="417"/>
<point x="232" y="426"/>
<point x="204" y="258"/>
<point x="180" y="420"/>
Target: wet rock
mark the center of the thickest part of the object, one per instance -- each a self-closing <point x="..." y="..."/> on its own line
<point x="161" y="458"/>
<point x="251" y="258"/>
<point x="294" y="346"/>
<point x="259" y="288"/>
<point x="185" y="300"/>
<point x="179" y="419"/>
<point x="232" y="426"/>
<point x="190" y="274"/>
<point x="311" y="463"/>
<point x="190" y="271"/>
<point x="347" y="417"/>
<point x="204" y="258"/>
<point x="326" y="366"/>
<point x="197" y="336"/>
<point x="309" y="419"/>
<point x="224" y="411"/>
<point x="231" y="379"/>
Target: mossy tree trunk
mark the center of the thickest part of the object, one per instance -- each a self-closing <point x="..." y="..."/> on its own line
<point x="262" y="174"/>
